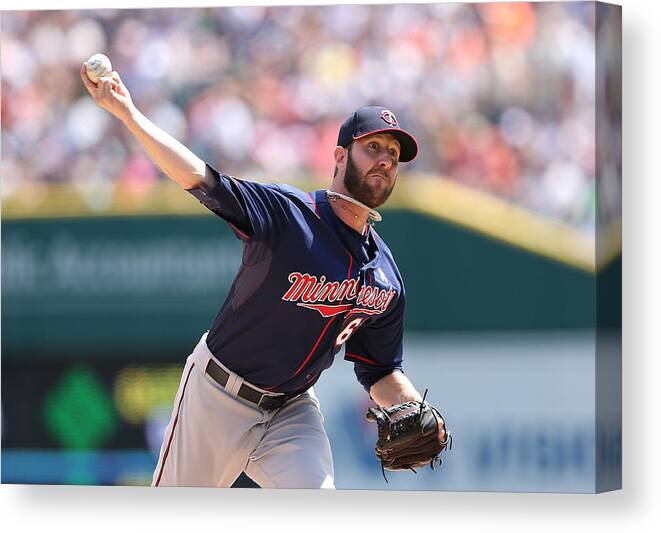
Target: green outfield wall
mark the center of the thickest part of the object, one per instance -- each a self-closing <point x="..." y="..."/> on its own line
<point x="149" y="285"/>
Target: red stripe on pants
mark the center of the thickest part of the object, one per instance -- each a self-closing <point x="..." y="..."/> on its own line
<point x="174" y="425"/>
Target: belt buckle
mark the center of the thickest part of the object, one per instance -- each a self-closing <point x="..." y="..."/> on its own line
<point x="269" y="402"/>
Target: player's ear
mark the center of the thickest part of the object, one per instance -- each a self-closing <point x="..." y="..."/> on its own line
<point x="340" y="155"/>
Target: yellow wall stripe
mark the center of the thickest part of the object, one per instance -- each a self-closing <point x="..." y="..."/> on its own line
<point x="437" y="197"/>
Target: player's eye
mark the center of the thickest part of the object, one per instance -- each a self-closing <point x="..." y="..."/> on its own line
<point x="394" y="154"/>
<point x="373" y="146"/>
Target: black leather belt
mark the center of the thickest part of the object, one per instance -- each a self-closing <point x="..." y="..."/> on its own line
<point x="265" y="401"/>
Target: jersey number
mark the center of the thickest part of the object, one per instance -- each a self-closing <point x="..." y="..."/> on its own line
<point x="348" y="331"/>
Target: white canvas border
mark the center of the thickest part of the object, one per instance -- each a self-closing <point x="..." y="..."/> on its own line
<point x="134" y="509"/>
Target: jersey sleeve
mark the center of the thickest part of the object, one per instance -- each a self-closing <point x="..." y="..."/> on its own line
<point x="376" y="348"/>
<point x="254" y="211"/>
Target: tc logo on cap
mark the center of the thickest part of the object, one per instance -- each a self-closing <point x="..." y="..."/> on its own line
<point x="389" y="118"/>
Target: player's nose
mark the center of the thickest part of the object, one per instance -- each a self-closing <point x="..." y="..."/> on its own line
<point x="386" y="162"/>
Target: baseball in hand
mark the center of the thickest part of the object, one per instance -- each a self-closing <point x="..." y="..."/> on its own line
<point x="96" y="66"/>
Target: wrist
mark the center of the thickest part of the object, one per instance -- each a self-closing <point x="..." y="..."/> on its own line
<point x="129" y="115"/>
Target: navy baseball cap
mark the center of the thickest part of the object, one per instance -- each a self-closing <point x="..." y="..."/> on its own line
<point x="376" y="119"/>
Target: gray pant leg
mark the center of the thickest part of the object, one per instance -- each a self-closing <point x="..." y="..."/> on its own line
<point x="210" y="436"/>
<point x="295" y="451"/>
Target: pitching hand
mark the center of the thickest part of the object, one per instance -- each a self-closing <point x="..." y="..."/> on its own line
<point x="110" y="93"/>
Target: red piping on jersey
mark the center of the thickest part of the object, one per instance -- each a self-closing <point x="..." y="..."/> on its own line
<point x="314" y="204"/>
<point x="364" y="359"/>
<point x="314" y="347"/>
<point x="239" y="232"/>
<point x="174" y="425"/>
<point x="350" y="264"/>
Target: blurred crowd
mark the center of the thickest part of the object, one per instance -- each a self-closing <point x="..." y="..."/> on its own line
<point x="501" y="97"/>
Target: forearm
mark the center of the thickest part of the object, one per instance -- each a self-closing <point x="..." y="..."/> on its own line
<point x="393" y="389"/>
<point x="172" y="157"/>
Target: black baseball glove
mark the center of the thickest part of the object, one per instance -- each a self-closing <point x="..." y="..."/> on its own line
<point x="408" y="436"/>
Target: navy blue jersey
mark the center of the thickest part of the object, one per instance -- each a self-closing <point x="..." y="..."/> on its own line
<point x="308" y="284"/>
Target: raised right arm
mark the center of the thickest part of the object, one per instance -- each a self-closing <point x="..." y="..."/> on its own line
<point x="173" y="158"/>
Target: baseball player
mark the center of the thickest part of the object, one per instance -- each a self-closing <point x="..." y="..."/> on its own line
<point x="315" y="277"/>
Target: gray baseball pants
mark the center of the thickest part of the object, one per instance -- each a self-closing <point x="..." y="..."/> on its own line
<point x="214" y="435"/>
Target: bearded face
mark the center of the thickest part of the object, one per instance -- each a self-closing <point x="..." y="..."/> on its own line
<point x="365" y="186"/>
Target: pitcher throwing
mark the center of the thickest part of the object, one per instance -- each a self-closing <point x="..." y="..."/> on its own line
<point x="315" y="277"/>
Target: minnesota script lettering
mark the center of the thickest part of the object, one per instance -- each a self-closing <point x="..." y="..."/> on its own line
<point x="319" y="294"/>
